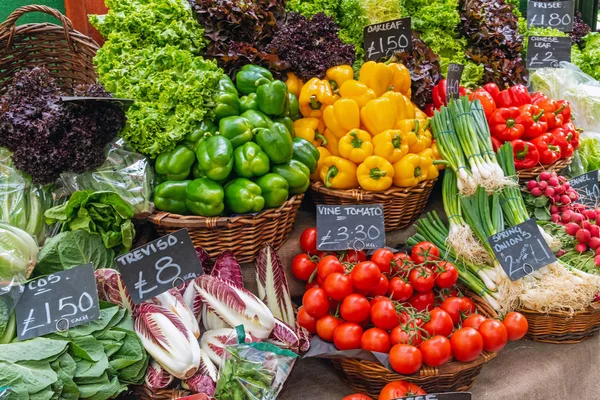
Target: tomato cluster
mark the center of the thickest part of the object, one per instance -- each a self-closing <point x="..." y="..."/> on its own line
<point x="391" y="391"/>
<point x="403" y="304"/>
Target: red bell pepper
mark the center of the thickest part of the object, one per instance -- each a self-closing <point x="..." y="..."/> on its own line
<point x="549" y="148"/>
<point x="429" y="110"/>
<point x="439" y="94"/>
<point x="569" y="133"/>
<point x="533" y="120"/>
<point x="496" y="144"/>
<point x="537" y="97"/>
<point x="566" y="111"/>
<point x="552" y="111"/>
<point x="486" y="99"/>
<point x="525" y="153"/>
<point x="492" y="89"/>
<point x="566" y="150"/>
<point x="504" y="124"/>
<point x="515" y="96"/>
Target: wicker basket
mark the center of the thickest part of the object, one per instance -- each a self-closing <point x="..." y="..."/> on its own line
<point x="533" y="173"/>
<point x="143" y="392"/>
<point x="66" y="53"/>
<point x="370" y="377"/>
<point x="401" y="206"/>
<point x="561" y="327"/>
<point x="242" y="234"/>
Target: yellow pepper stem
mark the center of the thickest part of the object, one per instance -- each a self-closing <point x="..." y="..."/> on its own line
<point x="376" y="173"/>
<point x="416" y="130"/>
<point x="397" y="141"/>
<point x="439" y="162"/>
<point x="356" y="142"/>
<point x="321" y="137"/>
<point x="427" y="124"/>
<point x="314" y="103"/>
<point x="417" y="172"/>
<point x="331" y="173"/>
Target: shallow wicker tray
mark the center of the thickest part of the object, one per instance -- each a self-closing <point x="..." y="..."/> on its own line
<point x="401" y="206"/>
<point x="532" y="173"/>
<point x="142" y="392"/>
<point x="243" y="234"/>
<point x="561" y="327"/>
<point x="370" y="377"/>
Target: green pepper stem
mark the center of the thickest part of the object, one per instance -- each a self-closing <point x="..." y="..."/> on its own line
<point x="376" y="173"/>
<point x="314" y="103"/>
<point x="417" y="172"/>
<point x="261" y="81"/>
<point x="510" y="123"/>
<point x="537" y="117"/>
<point x="521" y="154"/>
<point x="397" y="141"/>
<point x="331" y="173"/>
<point x="322" y="138"/>
<point x="356" y="142"/>
<point x="439" y="162"/>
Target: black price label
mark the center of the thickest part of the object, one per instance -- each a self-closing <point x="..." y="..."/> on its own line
<point x="57" y="302"/>
<point x="440" y="396"/>
<point x="356" y="227"/>
<point x="385" y="39"/>
<point x="547" y="51"/>
<point x="586" y="186"/>
<point x="521" y="249"/>
<point x="159" y="266"/>
<point x="453" y="80"/>
<point x="551" y="14"/>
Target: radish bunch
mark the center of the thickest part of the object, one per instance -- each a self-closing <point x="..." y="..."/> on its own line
<point x="556" y="188"/>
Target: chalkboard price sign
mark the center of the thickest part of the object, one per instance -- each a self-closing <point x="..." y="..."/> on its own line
<point x="57" y="302"/>
<point x="521" y="249"/>
<point x="359" y="227"/>
<point x="551" y="14"/>
<point x="453" y="80"/>
<point x="385" y="39"/>
<point x="547" y="51"/>
<point x="586" y="186"/>
<point x="440" y="396"/>
<point x="159" y="266"/>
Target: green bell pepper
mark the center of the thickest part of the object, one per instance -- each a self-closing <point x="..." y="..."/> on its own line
<point x="289" y="124"/>
<point x="215" y="157"/>
<point x="295" y="173"/>
<point x="170" y="196"/>
<point x="276" y="141"/>
<point x="250" y="76"/>
<point x="226" y="99"/>
<point x="275" y="189"/>
<point x="243" y="196"/>
<point x="306" y="153"/>
<point x="175" y="165"/>
<point x="294" y="109"/>
<point x="248" y="102"/>
<point x="249" y="161"/>
<point x="192" y="139"/>
<point x="257" y="119"/>
<point x="205" y="197"/>
<point x="237" y="129"/>
<point x="273" y="98"/>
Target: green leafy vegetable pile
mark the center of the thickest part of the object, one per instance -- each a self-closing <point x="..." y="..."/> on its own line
<point x="589" y="59"/>
<point x="104" y="213"/>
<point x="589" y="152"/>
<point x="92" y="361"/>
<point x="152" y="56"/>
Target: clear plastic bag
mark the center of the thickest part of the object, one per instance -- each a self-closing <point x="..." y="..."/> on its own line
<point x="253" y="371"/>
<point x="125" y="172"/>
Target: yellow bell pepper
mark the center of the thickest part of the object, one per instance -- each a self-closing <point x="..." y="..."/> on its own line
<point x="310" y="129"/>
<point x="337" y="173"/>
<point x="401" y="81"/>
<point x="437" y="156"/>
<point x="358" y="92"/>
<point x="411" y="170"/>
<point x="377" y="76"/>
<point x="432" y="170"/>
<point x="338" y="75"/>
<point x="420" y="114"/>
<point x="316" y="94"/>
<point x="342" y="117"/>
<point x="379" y="115"/>
<point x="404" y="107"/>
<point x="420" y="129"/>
<point x="323" y="154"/>
<point x="375" y="174"/>
<point x="332" y="142"/>
<point x="392" y="144"/>
<point x="355" y="146"/>
<point x="294" y="84"/>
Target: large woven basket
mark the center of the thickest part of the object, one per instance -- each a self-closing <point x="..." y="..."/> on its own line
<point x="142" y="392"/>
<point x="401" y="206"/>
<point x="66" y="53"/>
<point x="560" y="327"/>
<point x="532" y="173"/>
<point x="243" y="234"/>
<point x="370" y="377"/>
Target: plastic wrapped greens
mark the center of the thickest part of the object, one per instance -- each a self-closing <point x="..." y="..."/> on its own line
<point x="124" y="172"/>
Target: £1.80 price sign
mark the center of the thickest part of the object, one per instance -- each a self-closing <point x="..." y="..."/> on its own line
<point x="359" y="227"/>
<point x="160" y="265"/>
<point x="385" y="39"/>
<point x="551" y="14"/>
<point x="57" y="302"/>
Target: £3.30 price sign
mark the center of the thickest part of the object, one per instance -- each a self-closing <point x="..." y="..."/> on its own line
<point x="350" y="227"/>
<point x="160" y="265"/>
<point x="521" y="250"/>
<point x="57" y="302"/>
<point x="385" y="39"/>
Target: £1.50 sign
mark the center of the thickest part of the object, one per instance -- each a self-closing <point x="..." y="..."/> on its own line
<point x="385" y="39"/>
<point x="160" y="265"/>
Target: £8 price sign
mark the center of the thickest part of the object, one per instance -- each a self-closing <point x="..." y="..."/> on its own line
<point x="385" y="39"/>
<point x="159" y="266"/>
<point x="57" y="302"/>
<point x="356" y="227"/>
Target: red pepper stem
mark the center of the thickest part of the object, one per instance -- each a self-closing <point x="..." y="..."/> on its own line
<point x="553" y="147"/>
<point x="537" y="117"/>
<point x="510" y="123"/>
<point x="560" y="109"/>
<point x="522" y="154"/>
